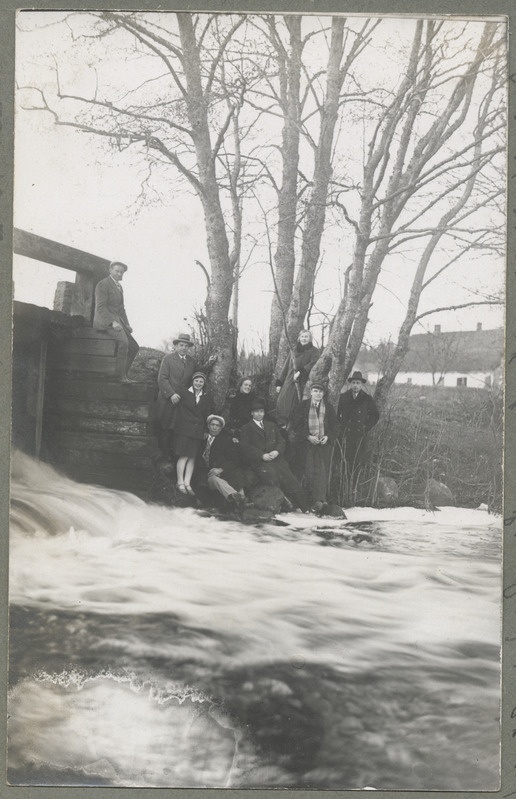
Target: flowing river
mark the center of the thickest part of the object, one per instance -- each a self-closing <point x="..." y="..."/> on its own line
<point x="160" y="647"/>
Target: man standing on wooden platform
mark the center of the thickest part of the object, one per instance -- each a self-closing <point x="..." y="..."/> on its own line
<point x="110" y="316"/>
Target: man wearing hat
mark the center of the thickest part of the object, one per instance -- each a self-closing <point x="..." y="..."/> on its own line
<point x="357" y="414"/>
<point x="221" y="457"/>
<point x="262" y="447"/>
<point x="315" y="427"/>
<point x="174" y="377"/>
<point x="111" y="318"/>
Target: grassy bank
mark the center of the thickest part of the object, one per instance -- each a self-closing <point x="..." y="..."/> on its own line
<point x="453" y="435"/>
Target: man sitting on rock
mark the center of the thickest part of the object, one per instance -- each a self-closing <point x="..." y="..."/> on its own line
<point x="262" y="447"/>
<point x="221" y="457"/>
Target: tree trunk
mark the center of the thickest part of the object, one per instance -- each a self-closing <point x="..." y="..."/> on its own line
<point x="316" y="211"/>
<point x="219" y="292"/>
<point x="284" y="258"/>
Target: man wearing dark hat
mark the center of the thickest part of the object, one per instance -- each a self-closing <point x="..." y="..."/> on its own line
<point x="221" y="457"/>
<point x="174" y="377"/>
<point x="262" y="447"/>
<point x="110" y="317"/>
<point x="357" y="414"/>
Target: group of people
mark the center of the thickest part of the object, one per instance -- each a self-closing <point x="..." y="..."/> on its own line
<point x="291" y="446"/>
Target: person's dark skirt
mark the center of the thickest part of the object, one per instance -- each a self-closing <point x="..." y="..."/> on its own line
<point x="185" y="446"/>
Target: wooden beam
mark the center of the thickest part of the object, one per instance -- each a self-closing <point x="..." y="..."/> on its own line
<point x="40" y="397"/>
<point x="52" y="252"/>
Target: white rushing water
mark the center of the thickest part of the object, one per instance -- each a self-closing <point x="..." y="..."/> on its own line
<point x="158" y="647"/>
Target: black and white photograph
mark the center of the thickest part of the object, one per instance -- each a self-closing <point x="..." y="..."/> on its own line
<point x="257" y="400"/>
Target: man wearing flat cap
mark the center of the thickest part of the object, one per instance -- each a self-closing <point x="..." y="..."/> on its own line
<point x="111" y="318"/>
<point x="357" y="414"/>
<point x="221" y="457"/>
<point x="262" y="447"/>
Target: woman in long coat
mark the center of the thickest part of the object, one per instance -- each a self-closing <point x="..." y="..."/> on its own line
<point x="188" y="434"/>
<point x="294" y="375"/>
<point x="315" y="425"/>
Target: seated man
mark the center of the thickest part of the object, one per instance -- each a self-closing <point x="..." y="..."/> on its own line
<point x="262" y="447"/>
<point x="222" y="459"/>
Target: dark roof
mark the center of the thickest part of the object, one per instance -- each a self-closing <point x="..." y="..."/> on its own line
<point x="448" y="351"/>
<point x="455" y="351"/>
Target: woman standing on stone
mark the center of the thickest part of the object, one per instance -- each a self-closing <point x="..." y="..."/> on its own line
<point x="293" y="377"/>
<point x="188" y="434"/>
<point x="315" y="426"/>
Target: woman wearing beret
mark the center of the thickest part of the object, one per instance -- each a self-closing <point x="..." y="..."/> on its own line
<point x="315" y="426"/>
<point x="188" y="433"/>
<point x="293" y="377"/>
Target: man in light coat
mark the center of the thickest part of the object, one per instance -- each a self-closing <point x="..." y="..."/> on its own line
<point x="110" y="317"/>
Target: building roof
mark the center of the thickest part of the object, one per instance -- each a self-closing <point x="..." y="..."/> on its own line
<point x="462" y="351"/>
<point x="455" y="351"/>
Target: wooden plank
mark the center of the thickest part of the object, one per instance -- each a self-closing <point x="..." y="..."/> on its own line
<point x="85" y="346"/>
<point x="76" y="423"/>
<point x="52" y="252"/>
<point x="66" y="361"/>
<point x="90" y="333"/>
<point x="40" y="396"/>
<point x="136" y="481"/>
<point x="94" y="460"/>
<point x="100" y="442"/>
<point x="123" y="411"/>
<point x="91" y="389"/>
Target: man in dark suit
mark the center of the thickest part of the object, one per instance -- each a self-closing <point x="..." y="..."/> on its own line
<point x="174" y="378"/>
<point x="357" y="414"/>
<point x="110" y="317"/>
<point x="262" y="447"/>
<point x="221" y="457"/>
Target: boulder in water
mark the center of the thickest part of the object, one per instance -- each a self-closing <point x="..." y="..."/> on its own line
<point x="438" y="493"/>
<point x="333" y="511"/>
<point x="387" y="491"/>
<point x="266" y="497"/>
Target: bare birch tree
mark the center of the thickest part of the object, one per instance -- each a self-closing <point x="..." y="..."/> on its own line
<point x="185" y="127"/>
<point x="413" y="169"/>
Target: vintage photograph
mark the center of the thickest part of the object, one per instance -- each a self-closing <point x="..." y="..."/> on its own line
<point x="257" y="418"/>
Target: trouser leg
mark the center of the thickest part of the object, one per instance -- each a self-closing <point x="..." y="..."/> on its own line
<point x="217" y="483"/>
<point x="132" y="351"/>
<point x="291" y="485"/>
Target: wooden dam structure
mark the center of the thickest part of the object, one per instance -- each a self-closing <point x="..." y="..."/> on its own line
<point x="68" y="408"/>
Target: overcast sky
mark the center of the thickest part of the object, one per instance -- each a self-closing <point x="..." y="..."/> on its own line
<point x="70" y="187"/>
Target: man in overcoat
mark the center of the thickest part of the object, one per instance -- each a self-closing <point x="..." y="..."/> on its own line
<point x="221" y="457"/>
<point x="357" y="414"/>
<point x="174" y="378"/>
<point x="110" y="316"/>
<point x="262" y="447"/>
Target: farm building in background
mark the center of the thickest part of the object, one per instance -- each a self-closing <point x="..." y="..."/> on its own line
<point x="470" y="358"/>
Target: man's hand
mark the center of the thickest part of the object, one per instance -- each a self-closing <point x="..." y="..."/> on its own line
<point x="174" y="399"/>
<point x="215" y="471"/>
<point x="273" y="454"/>
<point x="116" y="326"/>
<point x="314" y="440"/>
<point x="324" y="440"/>
<point x="278" y="389"/>
<point x="296" y="376"/>
<point x="266" y="456"/>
